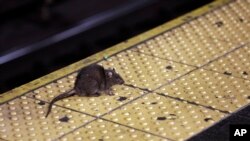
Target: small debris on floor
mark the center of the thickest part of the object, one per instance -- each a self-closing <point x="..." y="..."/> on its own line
<point x="64" y="119"/>
<point x="122" y="98"/>
<point x="245" y="73"/>
<point x="169" y="67"/>
<point x="161" y="118"/>
<point x="227" y="73"/>
<point x="41" y="103"/>
<point x="207" y="119"/>
<point x="219" y="24"/>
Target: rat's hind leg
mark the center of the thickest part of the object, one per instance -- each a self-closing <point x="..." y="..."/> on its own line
<point x="95" y="94"/>
<point x="93" y="89"/>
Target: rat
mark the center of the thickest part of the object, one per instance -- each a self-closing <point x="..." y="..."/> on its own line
<point x="91" y="81"/>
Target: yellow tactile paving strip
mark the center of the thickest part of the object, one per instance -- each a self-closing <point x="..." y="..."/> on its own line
<point x="188" y="74"/>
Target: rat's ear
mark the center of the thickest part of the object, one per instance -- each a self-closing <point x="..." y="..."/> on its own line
<point x="110" y="74"/>
<point x="113" y="69"/>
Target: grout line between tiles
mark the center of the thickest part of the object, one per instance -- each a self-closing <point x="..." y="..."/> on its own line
<point x="164" y="58"/>
<point x="230" y="51"/>
<point x="193" y="103"/>
<point x="136" y="129"/>
<point x="73" y="130"/>
<point x="228" y="75"/>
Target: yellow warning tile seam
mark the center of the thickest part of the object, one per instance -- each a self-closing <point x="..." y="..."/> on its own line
<point x="224" y="55"/>
<point x="7" y="96"/>
<point x="124" y="125"/>
<point x="224" y="74"/>
<point x="192" y="103"/>
<point x="165" y="58"/>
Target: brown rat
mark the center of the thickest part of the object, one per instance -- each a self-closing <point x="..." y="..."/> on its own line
<point x="91" y="81"/>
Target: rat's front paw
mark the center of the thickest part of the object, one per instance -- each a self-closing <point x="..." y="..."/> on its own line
<point x="110" y="92"/>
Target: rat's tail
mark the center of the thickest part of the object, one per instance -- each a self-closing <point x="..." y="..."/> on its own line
<point x="60" y="97"/>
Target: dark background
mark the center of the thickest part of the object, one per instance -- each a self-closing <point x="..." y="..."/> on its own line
<point x="40" y="36"/>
